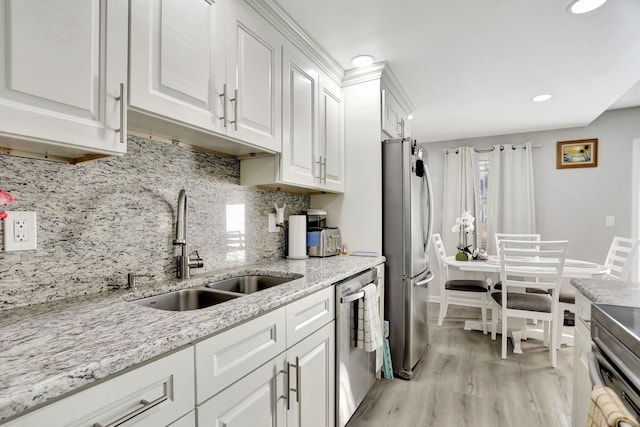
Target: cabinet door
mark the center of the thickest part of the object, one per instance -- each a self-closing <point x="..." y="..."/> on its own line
<point x="257" y="400"/>
<point x="331" y="136"/>
<point x="177" y="60"/>
<point x="313" y="402"/>
<point x="253" y="77"/>
<point x="62" y="64"/>
<point x="152" y="395"/>
<point x="393" y="116"/>
<point x="299" y="121"/>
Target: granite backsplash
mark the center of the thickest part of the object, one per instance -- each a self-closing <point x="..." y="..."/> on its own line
<point x="99" y="220"/>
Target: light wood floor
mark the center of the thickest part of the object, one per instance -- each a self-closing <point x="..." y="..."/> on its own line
<point x="462" y="381"/>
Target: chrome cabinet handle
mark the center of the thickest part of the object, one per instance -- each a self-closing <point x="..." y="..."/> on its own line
<point x="319" y="163"/>
<point x="145" y="407"/>
<point x="223" y="95"/>
<point x="289" y="389"/>
<point x="401" y="126"/>
<point x="122" y="130"/>
<point x="235" y="109"/>
<point x="298" y="390"/>
<point x="323" y="164"/>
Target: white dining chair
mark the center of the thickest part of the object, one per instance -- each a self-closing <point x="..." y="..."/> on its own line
<point x="514" y="236"/>
<point x="522" y="237"/>
<point x="523" y="266"/>
<point x="620" y="258"/>
<point x="464" y="292"/>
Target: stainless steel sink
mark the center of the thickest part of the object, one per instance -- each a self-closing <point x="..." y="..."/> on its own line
<point x="187" y="299"/>
<point x="249" y="283"/>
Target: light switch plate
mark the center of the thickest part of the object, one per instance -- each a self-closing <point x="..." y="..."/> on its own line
<point x="610" y="221"/>
<point x="20" y="231"/>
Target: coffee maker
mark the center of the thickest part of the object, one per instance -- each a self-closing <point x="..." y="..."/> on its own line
<point x="322" y="241"/>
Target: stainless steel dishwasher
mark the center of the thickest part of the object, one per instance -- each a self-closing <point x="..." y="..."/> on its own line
<point x="355" y="368"/>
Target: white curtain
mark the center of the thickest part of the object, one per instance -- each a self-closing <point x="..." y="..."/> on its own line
<point x="461" y="180"/>
<point x="510" y="195"/>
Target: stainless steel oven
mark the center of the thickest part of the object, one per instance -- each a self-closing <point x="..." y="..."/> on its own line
<point x="615" y="358"/>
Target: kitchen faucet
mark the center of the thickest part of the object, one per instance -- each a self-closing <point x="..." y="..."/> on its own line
<point x="185" y="263"/>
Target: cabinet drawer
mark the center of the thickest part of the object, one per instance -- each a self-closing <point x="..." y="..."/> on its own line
<point x="155" y="394"/>
<point x="230" y="355"/>
<point x="309" y="314"/>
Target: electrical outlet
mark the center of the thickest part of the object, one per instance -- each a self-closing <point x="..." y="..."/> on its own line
<point x="20" y="231"/>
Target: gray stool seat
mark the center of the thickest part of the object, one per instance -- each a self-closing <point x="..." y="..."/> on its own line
<point x="529" y="302"/>
<point x="467" y="285"/>
<point x="498" y="287"/>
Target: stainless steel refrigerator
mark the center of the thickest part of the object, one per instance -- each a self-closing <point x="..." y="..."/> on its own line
<point x="407" y="227"/>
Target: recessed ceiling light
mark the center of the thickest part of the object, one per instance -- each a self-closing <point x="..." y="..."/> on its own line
<point x="410" y="117"/>
<point x="541" y="98"/>
<point x="362" y="61"/>
<point x="584" y="6"/>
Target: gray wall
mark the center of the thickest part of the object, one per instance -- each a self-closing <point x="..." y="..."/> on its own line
<point x="99" y="220"/>
<point x="570" y="203"/>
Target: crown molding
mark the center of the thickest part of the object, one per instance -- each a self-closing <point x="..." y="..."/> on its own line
<point x="380" y="71"/>
<point x="276" y="16"/>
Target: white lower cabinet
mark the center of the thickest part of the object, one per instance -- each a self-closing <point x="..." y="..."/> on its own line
<point x="153" y="395"/>
<point x="311" y="364"/>
<point x="236" y="388"/>
<point x="581" y="349"/>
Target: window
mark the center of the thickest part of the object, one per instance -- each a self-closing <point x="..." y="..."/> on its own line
<point x="481" y="221"/>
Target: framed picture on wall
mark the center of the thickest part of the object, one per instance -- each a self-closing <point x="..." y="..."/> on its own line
<point x="581" y="153"/>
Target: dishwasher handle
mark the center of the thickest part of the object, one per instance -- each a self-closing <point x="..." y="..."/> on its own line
<point x="352" y="297"/>
<point x="594" y="371"/>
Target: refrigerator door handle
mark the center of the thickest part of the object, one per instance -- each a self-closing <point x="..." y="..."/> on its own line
<point x="427" y="178"/>
<point x="428" y="279"/>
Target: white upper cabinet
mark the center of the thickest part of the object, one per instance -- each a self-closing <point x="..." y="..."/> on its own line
<point x="176" y="48"/>
<point x="331" y="136"/>
<point x="394" y="118"/>
<point x="312" y="154"/>
<point x="253" y="77"/>
<point x="62" y="72"/>
<point x="299" y="121"/>
<point x="212" y="65"/>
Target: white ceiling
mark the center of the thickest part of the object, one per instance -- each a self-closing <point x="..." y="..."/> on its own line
<point x="471" y="67"/>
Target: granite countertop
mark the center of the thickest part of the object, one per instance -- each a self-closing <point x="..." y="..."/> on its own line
<point x="51" y="349"/>
<point x="609" y="291"/>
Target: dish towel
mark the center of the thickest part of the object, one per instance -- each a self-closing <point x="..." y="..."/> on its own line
<point x="606" y="410"/>
<point x="369" y="326"/>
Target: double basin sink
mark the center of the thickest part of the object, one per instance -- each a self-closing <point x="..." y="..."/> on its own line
<point x="212" y="293"/>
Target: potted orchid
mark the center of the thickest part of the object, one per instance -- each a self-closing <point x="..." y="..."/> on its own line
<point x="4" y="198"/>
<point x="464" y="225"/>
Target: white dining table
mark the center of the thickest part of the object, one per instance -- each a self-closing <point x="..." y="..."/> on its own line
<point x="572" y="269"/>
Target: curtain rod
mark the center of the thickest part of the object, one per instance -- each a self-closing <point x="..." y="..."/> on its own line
<point x="486" y="150"/>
